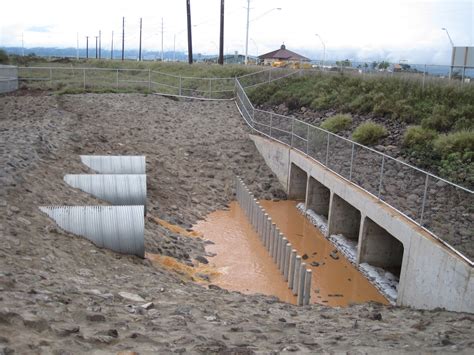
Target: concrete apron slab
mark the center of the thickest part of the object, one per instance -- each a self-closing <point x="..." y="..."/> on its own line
<point x="431" y="275"/>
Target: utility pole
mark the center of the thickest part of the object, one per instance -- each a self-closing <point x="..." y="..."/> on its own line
<point x="190" y="40"/>
<point x="162" y="55"/>
<point x="100" y="43"/>
<point x="247" y="36"/>
<point x="96" y="49"/>
<point x="112" y="47"/>
<point x="87" y="47"/>
<point x="221" y="36"/>
<point x="140" y="46"/>
<point x="123" y="36"/>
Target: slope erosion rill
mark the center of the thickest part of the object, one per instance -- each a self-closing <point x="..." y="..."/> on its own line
<point x="61" y="294"/>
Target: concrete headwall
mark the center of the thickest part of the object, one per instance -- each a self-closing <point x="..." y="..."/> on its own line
<point x="431" y="275"/>
<point x="8" y="78"/>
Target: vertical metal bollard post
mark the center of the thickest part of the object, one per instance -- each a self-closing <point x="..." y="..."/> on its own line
<point x="296" y="275"/>
<point x="275" y="243"/>
<point x="291" y="269"/>
<point x="271" y="238"/>
<point x="301" y="284"/>
<point x="284" y="242"/>
<point x="287" y="261"/>
<point x="268" y="227"/>
<point x="307" y="287"/>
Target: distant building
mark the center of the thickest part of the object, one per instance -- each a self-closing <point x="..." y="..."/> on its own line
<point x="282" y="55"/>
<point x="232" y="59"/>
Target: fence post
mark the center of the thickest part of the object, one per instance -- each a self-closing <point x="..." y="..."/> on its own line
<point x="292" y="128"/>
<point x="180" y="85"/>
<point x="327" y="150"/>
<point x="210" y="88"/>
<point x="84" y="78"/>
<point x="117" y="78"/>
<point x="424" y="200"/>
<point x="307" y="141"/>
<point x="51" y="75"/>
<point x="352" y="162"/>
<point x="149" y="79"/>
<point x="271" y="123"/>
<point x="381" y="177"/>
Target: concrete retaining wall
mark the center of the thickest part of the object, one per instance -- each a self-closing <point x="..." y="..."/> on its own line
<point x="8" y="78"/>
<point x="430" y="274"/>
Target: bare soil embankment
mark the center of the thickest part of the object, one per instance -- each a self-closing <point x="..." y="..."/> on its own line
<point x="60" y="294"/>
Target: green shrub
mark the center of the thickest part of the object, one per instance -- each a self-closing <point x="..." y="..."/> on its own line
<point x="369" y="133"/>
<point x="458" y="142"/>
<point x="337" y="123"/>
<point x="417" y="137"/>
<point x="441" y="119"/>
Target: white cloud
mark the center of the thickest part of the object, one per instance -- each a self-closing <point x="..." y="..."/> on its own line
<point x="363" y="29"/>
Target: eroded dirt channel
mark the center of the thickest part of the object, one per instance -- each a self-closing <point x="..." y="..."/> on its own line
<point x="244" y="264"/>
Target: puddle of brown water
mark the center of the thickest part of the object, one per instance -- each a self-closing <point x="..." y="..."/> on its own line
<point x="334" y="282"/>
<point x="243" y="263"/>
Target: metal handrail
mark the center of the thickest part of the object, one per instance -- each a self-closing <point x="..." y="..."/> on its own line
<point x="251" y="123"/>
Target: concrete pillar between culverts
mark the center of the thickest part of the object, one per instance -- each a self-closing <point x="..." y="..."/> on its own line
<point x="318" y="197"/>
<point x="291" y="269"/>
<point x="378" y="247"/>
<point x="297" y="183"/>
<point x="343" y="218"/>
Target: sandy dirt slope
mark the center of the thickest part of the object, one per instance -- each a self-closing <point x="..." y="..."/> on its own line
<point x="60" y="294"/>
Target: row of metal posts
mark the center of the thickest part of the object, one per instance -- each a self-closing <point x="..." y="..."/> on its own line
<point x="288" y="262"/>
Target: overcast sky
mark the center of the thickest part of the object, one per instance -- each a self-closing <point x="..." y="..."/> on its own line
<point x="355" y="29"/>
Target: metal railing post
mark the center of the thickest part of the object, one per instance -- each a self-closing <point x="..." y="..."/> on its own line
<point x="149" y="79"/>
<point x="307" y="141"/>
<point x="423" y="203"/>
<point x="327" y="150"/>
<point x="292" y="129"/>
<point x="381" y="177"/>
<point x="271" y="123"/>
<point x="352" y="162"/>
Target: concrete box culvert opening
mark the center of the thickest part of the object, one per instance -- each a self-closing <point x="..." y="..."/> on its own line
<point x="319" y="197"/>
<point x="297" y="183"/>
<point x="344" y="219"/>
<point x="379" y="248"/>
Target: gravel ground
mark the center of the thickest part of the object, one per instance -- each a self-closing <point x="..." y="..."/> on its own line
<point x="60" y="294"/>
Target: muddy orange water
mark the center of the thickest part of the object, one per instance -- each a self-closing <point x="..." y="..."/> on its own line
<point x="246" y="266"/>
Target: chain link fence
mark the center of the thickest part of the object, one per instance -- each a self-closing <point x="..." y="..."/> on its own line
<point x="98" y="79"/>
<point x="444" y="209"/>
<point x="8" y="78"/>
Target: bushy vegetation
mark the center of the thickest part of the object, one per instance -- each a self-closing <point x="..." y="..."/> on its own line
<point x="441" y="114"/>
<point x="369" y="133"/>
<point x="337" y="123"/>
<point x="395" y="98"/>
